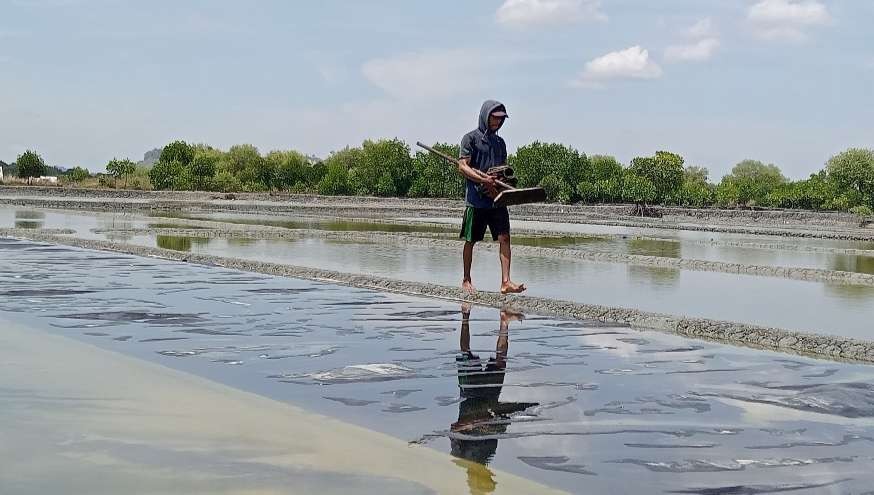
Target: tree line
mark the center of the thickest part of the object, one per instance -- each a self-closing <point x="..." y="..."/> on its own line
<point x="387" y="168"/>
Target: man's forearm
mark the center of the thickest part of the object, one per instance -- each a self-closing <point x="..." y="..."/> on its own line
<point x="466" y="170"/>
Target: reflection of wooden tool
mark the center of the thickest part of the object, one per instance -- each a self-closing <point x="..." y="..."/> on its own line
<point x="509" y="195"/>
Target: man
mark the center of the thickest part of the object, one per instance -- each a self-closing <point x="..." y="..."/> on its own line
<point x="482" y="149"/>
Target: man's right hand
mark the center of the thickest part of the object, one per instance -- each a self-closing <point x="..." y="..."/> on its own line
<point x="490" y="185"/>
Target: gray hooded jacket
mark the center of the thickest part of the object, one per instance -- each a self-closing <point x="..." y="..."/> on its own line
<point x="485" y="149"/>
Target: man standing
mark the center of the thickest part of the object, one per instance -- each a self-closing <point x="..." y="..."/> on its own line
<point x="482" y="149"/>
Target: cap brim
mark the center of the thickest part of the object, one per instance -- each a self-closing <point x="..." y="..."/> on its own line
<point x="501" y="115"/>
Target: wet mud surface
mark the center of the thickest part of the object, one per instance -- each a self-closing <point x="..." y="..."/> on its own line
<point x="568" y="403"/>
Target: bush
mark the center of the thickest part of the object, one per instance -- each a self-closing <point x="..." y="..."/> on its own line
<point x="556" y="189"/>
<point x="225" y="181"/>
<point x="862" y="211"/>
<point x="637" y="189"/>
<point x="587" y="192"/>
<point x="335" y="181"/>
<point x="163" y="175"/>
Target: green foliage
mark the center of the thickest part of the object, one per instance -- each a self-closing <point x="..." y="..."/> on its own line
<point x="30" y="164"/>
<point x="693" y="174"/>
<point x="587" y="192"/>
<point x="385" y="168"/>
<point x="163" y="175"/>
<point x="78" y="174"/>
<point x="336" y="179"/>
<point x="853" y="170"/>
<point x="696" y="194"/>
<point x="434" y="178"/>
<point x="638" y="189"/>
<point x="202" y="170"/>
<point x="609" y="190"/>
<point x="120" y="168"/>
<point x="177" y="151"/>
<point x="664" y="171"/>
<point x="603" y="167"/>
<point x="862" y="211"/>
<point x="749" y="183"/>
<point x="556" y="189"/>
<point x="534" y="162"/>
<point x="289" y="168"/>
<point x="226" y="182"/>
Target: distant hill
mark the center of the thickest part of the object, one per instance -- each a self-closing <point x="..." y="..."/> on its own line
<point x="150" y="157"/>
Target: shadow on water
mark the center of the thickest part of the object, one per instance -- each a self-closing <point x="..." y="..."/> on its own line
<point x="482" y="417"/>
<point x="29" y="219"/>
<point x="180" y="243"/>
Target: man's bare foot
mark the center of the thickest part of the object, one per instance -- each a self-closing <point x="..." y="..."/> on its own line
<point x="511" y="288"/>
<point x="467" y="286"/>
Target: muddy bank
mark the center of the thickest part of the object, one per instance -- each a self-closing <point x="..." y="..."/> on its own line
<point x="831" y="347"/>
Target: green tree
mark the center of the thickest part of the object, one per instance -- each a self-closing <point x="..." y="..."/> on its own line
<point x="385" y="168"/>
<point x="434" y="177"/>
<point x="203" y="169"/>
<point x="336" y="180"/>
<point x="78" y="174"/>
<point x="695" y="174"/>
<point x="241" y="157"/>
<point x="556" y="189"/>
<point x="30" y="165"/>
<point x="120" y="168"/>
<point x="609" y="190"/>
<point x="637" y="189"/>
<point x="177" y="151"/>
<point x="604" y="167"/>
<point x="165" y="175"/>
<point x="853" y="171"/>
<point x="532" y="163"/>
<point x="749" y="182"/>
<point x="664" y="170"/>
<point x="587" y="191"/>
<point x="289" y="168"/>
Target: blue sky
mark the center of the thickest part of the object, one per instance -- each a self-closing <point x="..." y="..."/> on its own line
<point x="718" y="81"/>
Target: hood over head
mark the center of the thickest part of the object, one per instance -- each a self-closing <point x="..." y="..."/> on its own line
<point x="488" y="107"/>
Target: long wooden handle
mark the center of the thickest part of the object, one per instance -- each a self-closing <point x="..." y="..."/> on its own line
<point x="456" y="161"/>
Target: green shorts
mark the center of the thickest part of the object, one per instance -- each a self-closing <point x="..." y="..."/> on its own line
<point x="473" y="228"/>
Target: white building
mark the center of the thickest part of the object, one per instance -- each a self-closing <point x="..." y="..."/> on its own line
<point x="51" y="179"/>
<point x="1" y="173"/>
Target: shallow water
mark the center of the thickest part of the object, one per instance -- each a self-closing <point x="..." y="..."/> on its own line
<point x="567" y="403"/>
<point x="82" y="222"/>
<point x="682" y="235"/>
<point x="839" y="310"/>
<point x="693" y="250"/>
<point x="299" y="222"/>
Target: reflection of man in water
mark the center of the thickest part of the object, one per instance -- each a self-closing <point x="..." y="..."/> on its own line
<point x="482" y="418"/>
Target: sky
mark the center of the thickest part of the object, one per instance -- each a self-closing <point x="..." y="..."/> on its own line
<point x="787" y="82"/>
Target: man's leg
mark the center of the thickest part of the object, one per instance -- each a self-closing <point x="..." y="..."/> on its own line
<point x="505" y="253"/>
<point x="473" y="228"/>
<point x="467" y="284"/>
<point x="500" y="225"/>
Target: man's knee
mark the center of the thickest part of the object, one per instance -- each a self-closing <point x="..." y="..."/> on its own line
<point x="504" y="238"/>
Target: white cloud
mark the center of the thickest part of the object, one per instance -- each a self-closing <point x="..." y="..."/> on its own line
<point x="695" y="52"/>
<point x="786" y="20"/>
<point x="521" y="13"/>
<point x="631" y="63"/>
<point x="702" y="29"/>
<point x="426" y="75"/>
